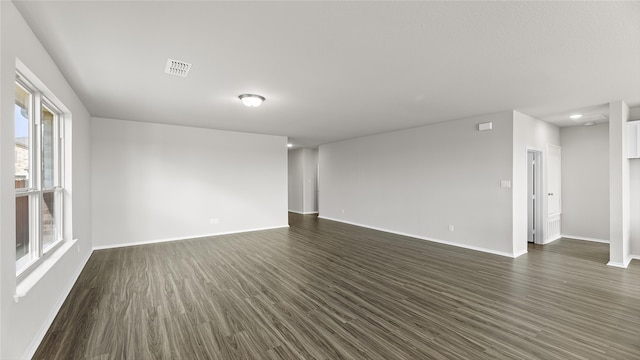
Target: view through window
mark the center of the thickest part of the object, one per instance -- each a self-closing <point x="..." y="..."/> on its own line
<point x="38" y="175"/>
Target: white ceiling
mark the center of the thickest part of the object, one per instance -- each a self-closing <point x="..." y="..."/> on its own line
<point x="338" y="70"/>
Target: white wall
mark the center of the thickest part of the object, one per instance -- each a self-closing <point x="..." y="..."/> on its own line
<point x="585" y="182"/>
<point x="296" y="180"/>
<point x="619" y="186"/>
<point x="634" y="174"/>
<point x="310" y="191"/>
<point x="303" y="179"/>
<point x="23" y="324"/>
<point x="155" y="182"/>
<point x="419" y="181"/>
<point x="528" y="134"/>
<point x="634" y="184"/>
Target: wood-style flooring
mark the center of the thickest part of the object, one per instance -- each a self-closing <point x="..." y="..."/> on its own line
<point x="327" y="290"/>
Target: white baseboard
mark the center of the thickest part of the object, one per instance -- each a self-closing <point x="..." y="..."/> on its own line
<point x="33" y="347"/>
<point x="519" y="254"/>
<point x="584" y="238"/>
<point x="549" y="241"/>
<point x="470" y="247"/>
<point x="615" y="264"/>
<point x="623" y="265"/>
<point x="303" y="213"/>
<point x="626" y="262"/>
<point x="155" y="241"/>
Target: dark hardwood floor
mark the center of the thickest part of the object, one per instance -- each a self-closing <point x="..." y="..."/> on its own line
<point x="326" y="290"/>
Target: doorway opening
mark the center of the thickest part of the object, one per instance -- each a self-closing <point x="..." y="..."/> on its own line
<point x="534" y="197"/>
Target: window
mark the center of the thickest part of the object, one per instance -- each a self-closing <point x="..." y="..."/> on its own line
<point x="39" y="182"/>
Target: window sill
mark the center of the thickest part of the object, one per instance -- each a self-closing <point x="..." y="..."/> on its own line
<point x="30" y="280"/>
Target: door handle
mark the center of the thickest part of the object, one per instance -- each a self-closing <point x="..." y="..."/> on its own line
<point x="550" y="194"/>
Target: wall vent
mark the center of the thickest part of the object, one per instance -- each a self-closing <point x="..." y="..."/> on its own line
<point x="178" y="68"/>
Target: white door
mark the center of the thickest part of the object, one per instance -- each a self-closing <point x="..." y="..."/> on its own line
<point x="553" y="192"/>
<point x="532" y="203"/>
<point x="554" y="171"/>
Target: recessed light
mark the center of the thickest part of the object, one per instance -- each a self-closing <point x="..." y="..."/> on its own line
<point x="289" y="145"/>
<point x="575" y="116"/>
<point x="251" y="100"/>
<point x="589" y="123"/>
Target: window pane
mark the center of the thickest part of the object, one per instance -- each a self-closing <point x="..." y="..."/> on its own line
<point x="48" y="148"/>
<point x="22" y="227"/>
<point x="22" y="127"/>
<point x="49" y="223"/>
<point x="38" y="179"/>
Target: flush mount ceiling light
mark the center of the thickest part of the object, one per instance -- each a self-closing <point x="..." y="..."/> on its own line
<point x="589" y="123"/>
<point x="289" y="145"/>
<point x="251" y="100"/>
<point x="575" y="116"/>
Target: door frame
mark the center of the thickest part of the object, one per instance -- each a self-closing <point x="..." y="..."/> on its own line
<point x="540" y="199"/>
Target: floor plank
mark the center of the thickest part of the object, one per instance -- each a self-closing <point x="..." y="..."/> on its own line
<point x="327" y="290"/>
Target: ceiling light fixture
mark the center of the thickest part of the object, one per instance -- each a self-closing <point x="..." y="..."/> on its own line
<point x="589" y="123"/>
<point x="289" y="145"/>
<point x="251" y="100"/>
<point x="575" y="116"/>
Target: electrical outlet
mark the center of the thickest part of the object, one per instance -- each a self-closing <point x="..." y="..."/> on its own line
<point x="451" y="228"/>
<point x="342" y="211"/>
<point x="214" y="221"/>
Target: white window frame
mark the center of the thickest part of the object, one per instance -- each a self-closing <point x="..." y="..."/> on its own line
<point x="34" y="188"/>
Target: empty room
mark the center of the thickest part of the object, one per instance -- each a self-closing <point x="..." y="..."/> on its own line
<point x="319" y="180"/>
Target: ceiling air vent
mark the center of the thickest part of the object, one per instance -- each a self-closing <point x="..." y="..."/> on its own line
<point x="178" y="68"/>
